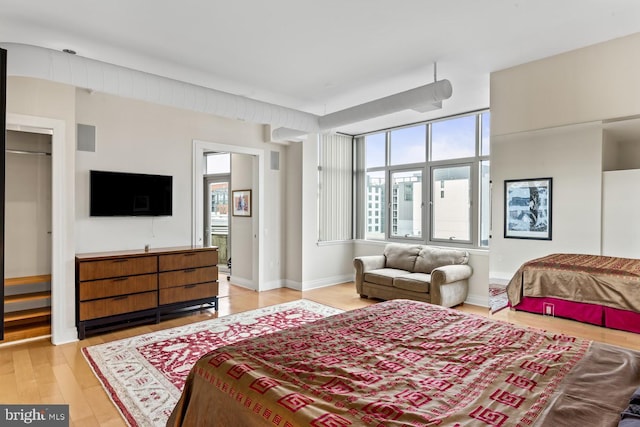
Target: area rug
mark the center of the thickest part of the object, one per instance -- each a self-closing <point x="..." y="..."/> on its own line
<point x="497" y="297"/>
<point x="144" y="375"/>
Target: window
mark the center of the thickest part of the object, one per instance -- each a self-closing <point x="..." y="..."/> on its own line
<point x="408" y="145"/>
<point x="450" y="212"/>
<point x="453" y="138"/>
<point x="217" y="163"/>
<point x="432" y="181"/>
<point x="376" y="149"/>
<point x="406" y="212"/>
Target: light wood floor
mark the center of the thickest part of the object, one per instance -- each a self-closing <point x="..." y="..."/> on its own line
<point x="39" y="372"/>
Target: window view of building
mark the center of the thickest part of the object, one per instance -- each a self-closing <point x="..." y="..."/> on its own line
<point x="406" y="204"/>
<point x="375" y="228"/>
<point x="453" y="156"/>
<point x="451" y="203"/>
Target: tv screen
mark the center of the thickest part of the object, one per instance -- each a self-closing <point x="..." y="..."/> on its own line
<point x="130" y="194"/>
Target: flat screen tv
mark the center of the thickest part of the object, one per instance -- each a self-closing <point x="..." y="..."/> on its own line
<point x="130" y="194"/>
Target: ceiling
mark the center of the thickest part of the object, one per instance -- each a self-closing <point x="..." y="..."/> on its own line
<point x="322" y="56"/>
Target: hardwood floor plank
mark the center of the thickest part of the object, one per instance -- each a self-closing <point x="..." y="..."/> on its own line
<point x="73" y="394"/>
<point x="6" y="362"/>
<point x="27" y="386"/>
<point x="9" y="389"/>
<point x="104" y="411"/>
<point x="47" y="384"/>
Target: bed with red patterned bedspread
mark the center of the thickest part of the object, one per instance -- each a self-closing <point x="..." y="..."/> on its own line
<point x="409" y="363"/>
<point x="595" y="289"/>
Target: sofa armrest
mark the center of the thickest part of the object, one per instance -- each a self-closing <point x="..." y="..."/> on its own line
<point x="451" y="273"/>
<point x="363" y="264"/>
<point x="450" y="284"/>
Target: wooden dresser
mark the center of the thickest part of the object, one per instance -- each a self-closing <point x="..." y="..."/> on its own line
<point x="124" y="288"/>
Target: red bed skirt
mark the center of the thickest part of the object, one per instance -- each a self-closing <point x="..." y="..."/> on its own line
<point x="614" y="318"/>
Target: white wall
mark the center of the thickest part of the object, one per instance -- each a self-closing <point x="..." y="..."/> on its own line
<point x="293" y="216"/>
<point x="594" y="83"/>
<point x="244" y="235"/>
<point x="28" y="206"/>
<point x="572" y="156"/>
<point x="134" y="136"/>
<point x="620" y="226"/>
<point x="276" y="227"/>
<point x="628" y="155"/>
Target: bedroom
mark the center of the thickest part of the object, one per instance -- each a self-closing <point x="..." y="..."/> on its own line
<point x="572" y="232"/>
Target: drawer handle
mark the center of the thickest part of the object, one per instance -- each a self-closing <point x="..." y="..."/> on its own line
<point x="189" y="270"/>
<point x="121" y="260"/>
<point x="190" y="286"/>
<point x="190" y="254"/>
<point x="121" y="297"/>
<point x="120" y="279"/>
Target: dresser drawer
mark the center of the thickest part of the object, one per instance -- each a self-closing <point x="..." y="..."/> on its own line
<point x="117" y="267"/>
<point x="119" y="286"/>
<point x="117" y="305"/>
<point x="187" y="277"/>
<point x="188" y="292"/>
<point x="188" y="260"/>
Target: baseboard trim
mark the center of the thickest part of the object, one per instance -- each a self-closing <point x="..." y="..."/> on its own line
<point x="500" y="277"/>
<point x="479" y="300"/>
<point x="291" y="284"/>
<point x="328" y="281"/>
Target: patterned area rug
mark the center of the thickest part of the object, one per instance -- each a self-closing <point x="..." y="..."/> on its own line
<point x="144" y="375"/>
<point x="497" y="297"/>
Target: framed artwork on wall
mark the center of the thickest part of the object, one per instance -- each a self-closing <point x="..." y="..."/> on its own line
<point x="241" y="202"/>
<point x="527" y="208"/>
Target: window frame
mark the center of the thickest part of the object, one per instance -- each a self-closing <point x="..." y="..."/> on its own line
<point x="427" y="167"/>
<point x="445" y="165"/>
<point x="389" y="189"/>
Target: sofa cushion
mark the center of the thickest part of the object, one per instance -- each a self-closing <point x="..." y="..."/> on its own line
<point x="429" y="258"/>
<point x="401" y="256"/>
<point x="417" y="282"/>
<point x="383" y="276"/>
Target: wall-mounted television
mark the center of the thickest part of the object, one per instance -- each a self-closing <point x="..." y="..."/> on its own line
<point x="130" y="194"/>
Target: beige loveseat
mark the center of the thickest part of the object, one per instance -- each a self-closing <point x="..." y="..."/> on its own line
<point x="417" y="272"/>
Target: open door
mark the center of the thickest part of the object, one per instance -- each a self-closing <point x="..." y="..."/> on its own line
<point x="3" y="127"/>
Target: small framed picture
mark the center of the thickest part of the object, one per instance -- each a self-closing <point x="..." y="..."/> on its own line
<point x="241" y="202"/>
<point x="527" y="208"/>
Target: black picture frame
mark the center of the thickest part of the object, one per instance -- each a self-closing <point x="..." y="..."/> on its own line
<point x="528" y="208"/>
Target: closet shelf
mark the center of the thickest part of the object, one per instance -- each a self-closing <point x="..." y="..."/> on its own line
<point x="33" y="296"/>
<point x="25" y="316"/>
<point x="17" y="281"/>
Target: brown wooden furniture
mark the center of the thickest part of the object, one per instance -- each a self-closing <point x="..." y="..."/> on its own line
<point x="123" y="288"/>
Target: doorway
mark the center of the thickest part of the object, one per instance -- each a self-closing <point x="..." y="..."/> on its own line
<point x="27" y="256"/>
<point x="63" y="328"/>
<point x="248" y="272"/>
<point x="217" y="184"/>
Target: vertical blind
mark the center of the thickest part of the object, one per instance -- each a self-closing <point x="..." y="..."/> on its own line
<point x="335" y="193"/>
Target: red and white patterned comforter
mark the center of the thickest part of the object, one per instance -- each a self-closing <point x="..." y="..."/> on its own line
<point x="407" y="363"/>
